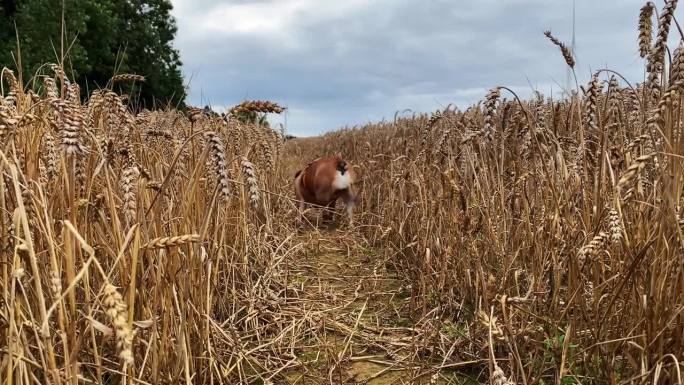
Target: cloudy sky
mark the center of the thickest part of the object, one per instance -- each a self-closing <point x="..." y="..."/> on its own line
<point x="344" y="63"/>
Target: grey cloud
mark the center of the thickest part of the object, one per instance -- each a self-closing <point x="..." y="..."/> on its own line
<point x="373" y="60"/>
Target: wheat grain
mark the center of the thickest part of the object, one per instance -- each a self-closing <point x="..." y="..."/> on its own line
<point x="14" y="87"/>
<point x="267" y="152"/>
<point x="256" y="106"/>
<point x="8" y="124"/>
<point x="128" y="186"/>
<point x="677" y="68"/>
<point x="591" y="109"/>
<point x="55" y="284"/>
<point x="425" y="131"/>
<point x="655" y="60"/>
<point x="567" y="54"/>
<point x="633" y="170"/>
<point x="175" y="241"/>
<point x="614" y="226"/>
<point x="61" y="76"/>
<point x="499" y="377"/>
<point x="117" y="312"/>
<point x="489" y="110"/>
<point x="51" y="92"/>
<point x="646" y="28"/>
<point x="251" y="182"/>
<point x="593" y="248"/>
<point x="70" y="132"/>
<point x="218" y="163"/>
<point x="127" y="78"/>
<point x="440" y="146"/>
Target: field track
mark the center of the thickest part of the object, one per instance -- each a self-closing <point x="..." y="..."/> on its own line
<point x="361" y="307"/>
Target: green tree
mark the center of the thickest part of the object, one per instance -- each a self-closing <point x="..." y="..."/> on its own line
<point x="8" y="10"/>
<point x="148" y="49"/>
<point x="39" y="24"/>
<point x="102" y="37"/>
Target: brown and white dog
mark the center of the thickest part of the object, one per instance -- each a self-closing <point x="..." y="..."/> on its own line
<point x="324" y="181"/>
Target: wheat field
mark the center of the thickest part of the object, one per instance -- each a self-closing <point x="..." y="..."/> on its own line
<point x="514" y="242"/>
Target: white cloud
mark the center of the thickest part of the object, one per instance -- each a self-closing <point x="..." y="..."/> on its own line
<point x="275" y="18"/>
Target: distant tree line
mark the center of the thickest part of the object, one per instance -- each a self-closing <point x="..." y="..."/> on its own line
<point x="101" y="38"/>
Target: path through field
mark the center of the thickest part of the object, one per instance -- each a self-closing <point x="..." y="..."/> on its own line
<point x="365" y="336"/>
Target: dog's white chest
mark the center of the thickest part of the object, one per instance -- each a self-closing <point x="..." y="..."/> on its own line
<point x="341" y="181"/>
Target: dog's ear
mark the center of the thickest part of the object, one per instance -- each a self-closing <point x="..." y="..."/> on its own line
<point x="297" y="174"/>
<point x="342" y="166"/>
